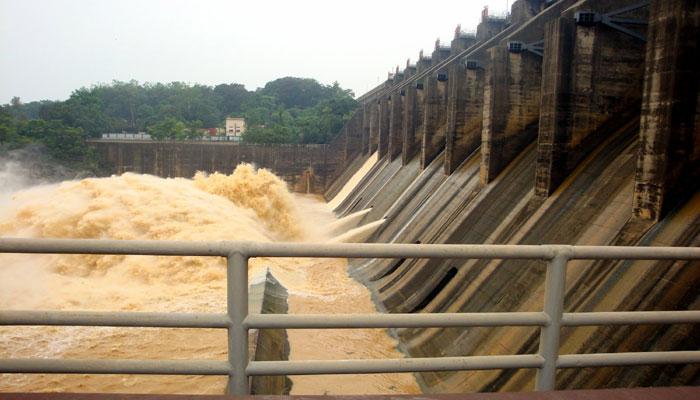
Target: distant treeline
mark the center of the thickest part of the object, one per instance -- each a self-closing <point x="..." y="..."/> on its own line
<point x="286" y="110"/>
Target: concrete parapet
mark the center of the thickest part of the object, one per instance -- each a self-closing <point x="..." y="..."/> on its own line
<point x="668" y="165"/>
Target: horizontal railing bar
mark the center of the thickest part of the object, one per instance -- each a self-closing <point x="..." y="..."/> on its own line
<point x="108" y="246"/>
<point x="328" y="250"/>
<point x="398" y="250"/>
<point x="312" y="321"/>
<point x="256" y="368"/>
<point x="630" y="318"/>
<point x="340" y="250"/>
<point x="353" y="321"/>
<point x="626" y="359"/>
<point x="634" y="253"/>
<point x="186" y="367"/>
<point x="127" y="367"/>
<point x="125" y="319"/>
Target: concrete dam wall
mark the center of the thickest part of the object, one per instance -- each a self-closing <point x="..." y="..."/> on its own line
<point x="306" y="168"/>
<point x="577" y="122"/>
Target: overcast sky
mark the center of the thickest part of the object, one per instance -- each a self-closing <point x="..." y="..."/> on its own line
<point x="48" y="48"/>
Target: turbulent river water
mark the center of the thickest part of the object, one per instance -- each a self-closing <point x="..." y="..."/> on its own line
<point x="249" y="204"/>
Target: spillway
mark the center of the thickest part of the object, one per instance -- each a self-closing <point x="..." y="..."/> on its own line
<point x="548" y="128"/>
<point x="591" y="207"/>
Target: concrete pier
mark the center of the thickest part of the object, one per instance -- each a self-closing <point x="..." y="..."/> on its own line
<point x="591" y="80"/>
<point x="464" y="104"/>
<point x="511" y="108"/>
<point x="435" y="117"/>
<point x="395" y="145"/>
<point x="414" y="98"/>
<point x="384" y="122"/>
<point x="668" y="166"/>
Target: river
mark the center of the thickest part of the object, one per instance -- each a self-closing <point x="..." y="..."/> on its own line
<point x="249" y="204"/>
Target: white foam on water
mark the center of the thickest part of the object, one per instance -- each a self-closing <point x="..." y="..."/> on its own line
<point x="249" y="204"/>
<point x="359" y="234"/>
<point x="348" y="222"/>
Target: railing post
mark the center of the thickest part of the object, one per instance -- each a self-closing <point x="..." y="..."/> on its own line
<point x="237" y="308"/>
<point x="555" y="284"/>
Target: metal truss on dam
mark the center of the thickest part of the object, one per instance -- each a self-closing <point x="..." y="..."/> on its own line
<point x="538" y="187"/>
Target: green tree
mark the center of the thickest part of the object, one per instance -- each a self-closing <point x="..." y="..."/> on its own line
<point x="296" y="92"/>
<point x="230" y="98"/>
<point x="8" y="131"/>
<point x="286" y="110"/>
<point x="84" y="109"/>
<point x="169" y="128"/>
<point x="65" y="143"/>
<point x="194" y="130"/>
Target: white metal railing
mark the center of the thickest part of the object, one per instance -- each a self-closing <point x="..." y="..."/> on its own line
<point x="238" y="322"/>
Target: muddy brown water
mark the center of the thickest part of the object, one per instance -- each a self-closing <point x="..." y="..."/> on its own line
<point x="246" y="205"/>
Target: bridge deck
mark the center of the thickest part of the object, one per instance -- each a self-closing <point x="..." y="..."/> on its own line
<point x="669" y="393"/>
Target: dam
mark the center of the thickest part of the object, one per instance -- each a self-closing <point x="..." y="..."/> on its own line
<point x="562" y="134"/>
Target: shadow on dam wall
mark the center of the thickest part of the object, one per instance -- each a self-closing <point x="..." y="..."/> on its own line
<point x="590" y="136"/>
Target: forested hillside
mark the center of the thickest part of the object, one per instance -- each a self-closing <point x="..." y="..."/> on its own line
<point x="286" y="110"/>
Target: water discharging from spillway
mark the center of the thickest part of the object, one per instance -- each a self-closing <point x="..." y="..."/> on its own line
<point x="247" y="205"/>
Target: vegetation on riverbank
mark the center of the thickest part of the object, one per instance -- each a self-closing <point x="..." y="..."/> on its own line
<point x="286" y="110"/>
